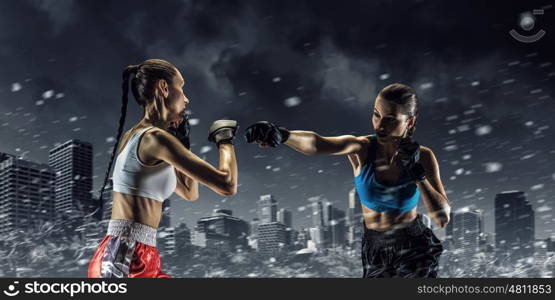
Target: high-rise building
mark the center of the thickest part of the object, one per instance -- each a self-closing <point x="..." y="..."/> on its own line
<point x="222" y="229"/>
<point x="285" y="217"/>
<point x="72" y="162"/>
<point x="165" y="240"/>
<point x="267" y="209"/>
<point x="354" y="219"/>
<point x="317" y="211"/>
<point x="514" y="225"/>
<point x="166" y="233"/>
<point x="165" y="221"/>
<point x="182" y="236"/>
<point x="317" y="236"/>
<point x="467" y="229"/>
<point x="254" y="227"/>
<point x="550" y="242"/>
<point x="26" y="194"/>
<point x="540" y="250"/>
<point x="272" y="238"/>
<point x="302" y="239"/>
<point x="335" y="222"/>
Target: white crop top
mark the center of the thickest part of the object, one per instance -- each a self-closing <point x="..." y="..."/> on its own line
<point x="133" y="177"/>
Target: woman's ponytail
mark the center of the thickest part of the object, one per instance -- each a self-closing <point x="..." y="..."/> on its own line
<point x="124" y="100"/>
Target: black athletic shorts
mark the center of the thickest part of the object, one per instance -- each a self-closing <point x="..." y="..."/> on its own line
<point x="411" y="251"/>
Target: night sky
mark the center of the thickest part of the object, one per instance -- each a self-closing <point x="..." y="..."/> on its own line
<point x="487" y="100"/>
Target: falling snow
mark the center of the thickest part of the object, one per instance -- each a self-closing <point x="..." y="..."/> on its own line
<point x="16" y="86"/>
<point x="194" y="121"/>
<point x="48" y="94"/>
<point x="492" y="167"/>
<point x="426" y="85"/>
<point x="292" y="101"/>
<point x="205" y="149"/>
<point x="483" y="130"/>
<point x="537" y="187"/>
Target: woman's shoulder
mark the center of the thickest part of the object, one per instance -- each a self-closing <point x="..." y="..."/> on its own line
<point x="426" y="150"/>
<point x="427" y="156"/>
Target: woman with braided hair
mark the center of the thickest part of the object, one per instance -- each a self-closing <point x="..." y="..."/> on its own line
<point x="391" y="173"/>
<point x="153" y="161"/>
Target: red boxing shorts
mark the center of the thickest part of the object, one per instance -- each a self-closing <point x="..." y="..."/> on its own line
<point x="127" y="250"/>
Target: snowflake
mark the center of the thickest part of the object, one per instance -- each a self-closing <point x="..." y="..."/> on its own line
<point x="483" y="130"/>
<point x="537" y="187"/>
<point x="292" y="101"/>
<point x="194" y="121"/>
<point x="205" y="149"/>
<point x="48" y="94"/>
<point x="492" y="167"/>
<point x="426" y="85"/>
<point x="543" y="208"/>
<point x="16" y="86"/>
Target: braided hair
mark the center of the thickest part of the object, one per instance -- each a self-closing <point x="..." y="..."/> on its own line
<point x="143" y="81"/>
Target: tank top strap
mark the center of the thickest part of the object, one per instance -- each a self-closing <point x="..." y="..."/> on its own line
<point x="137" y="135"/>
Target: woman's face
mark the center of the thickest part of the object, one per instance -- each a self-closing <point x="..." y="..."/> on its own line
<point x="176" y="102"/>
<point x="389" y="123"/>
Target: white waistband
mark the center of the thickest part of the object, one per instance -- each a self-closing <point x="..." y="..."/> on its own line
<point x="133" y="231"/>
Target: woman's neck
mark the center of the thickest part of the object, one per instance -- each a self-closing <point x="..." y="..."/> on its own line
<point x="156" y="123"/>
<point x="386" y="152"/>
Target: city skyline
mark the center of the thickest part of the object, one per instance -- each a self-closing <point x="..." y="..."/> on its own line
<point x="273" y="212"/>
<point x="513" y="204"/>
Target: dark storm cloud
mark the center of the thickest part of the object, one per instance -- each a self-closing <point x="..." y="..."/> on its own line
<point x="243" y="59"/>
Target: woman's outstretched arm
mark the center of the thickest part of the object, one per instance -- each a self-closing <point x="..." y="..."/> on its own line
<point x="310" y="143"/>
<point x="267" y="134"/>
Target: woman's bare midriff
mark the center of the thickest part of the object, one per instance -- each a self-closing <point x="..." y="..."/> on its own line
<point x="381" y="221"/>
<point x="136" y="208"/>
<point x="375" y="220"/>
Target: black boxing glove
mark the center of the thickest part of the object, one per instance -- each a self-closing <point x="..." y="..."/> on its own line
<point x="222" y="132"/>
<point x="182" y="131"/>
<point x="268" y="133"/>
<point x="409" y="153"/>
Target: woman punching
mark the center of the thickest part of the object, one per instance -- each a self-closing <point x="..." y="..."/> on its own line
<point x="392" y="173"/>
